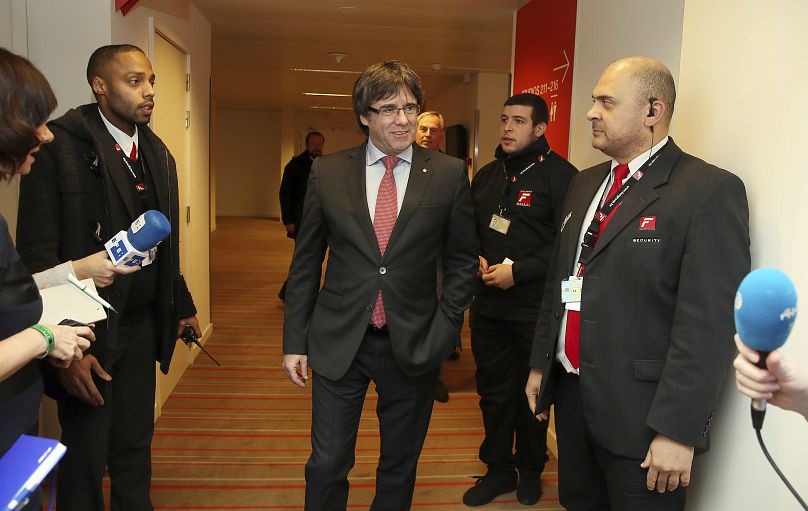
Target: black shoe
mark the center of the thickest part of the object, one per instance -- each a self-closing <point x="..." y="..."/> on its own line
<point x="487" y="489"/>
<point x="441" y="392"/>
<point x="529" y="489"/>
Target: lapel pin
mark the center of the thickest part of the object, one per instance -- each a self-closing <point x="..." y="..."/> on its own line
<point x="424" y="171"/>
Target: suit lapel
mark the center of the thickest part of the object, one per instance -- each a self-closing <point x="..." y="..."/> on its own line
<point x="355" y="175"/>
<point x="420" y="175"/>
<point x="155" y="164"/>
<point x="641" y="196"/>
<point x="578" y="206"/>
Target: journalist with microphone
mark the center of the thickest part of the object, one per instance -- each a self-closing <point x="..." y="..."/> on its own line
<point x="104" y="170"/>
<point x="634" y="337"/>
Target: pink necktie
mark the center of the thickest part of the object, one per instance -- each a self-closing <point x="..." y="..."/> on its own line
<point x="133" y="153"/>
<point x="572" y="337"/>
<point x="384" y="219"/>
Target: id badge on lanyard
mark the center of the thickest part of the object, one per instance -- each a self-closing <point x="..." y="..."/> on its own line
<point x="571" y="292"/>
<point x="499" y="223"/>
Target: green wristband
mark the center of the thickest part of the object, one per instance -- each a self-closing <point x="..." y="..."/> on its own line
<point x="49" y="339"/>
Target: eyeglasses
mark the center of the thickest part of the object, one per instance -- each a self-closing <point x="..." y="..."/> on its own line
<point x="389" y="111"/>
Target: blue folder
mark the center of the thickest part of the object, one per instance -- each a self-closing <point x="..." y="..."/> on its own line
<point x="23" y="468"/>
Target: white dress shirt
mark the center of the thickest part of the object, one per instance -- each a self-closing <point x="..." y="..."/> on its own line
<point x="123" y="140"/>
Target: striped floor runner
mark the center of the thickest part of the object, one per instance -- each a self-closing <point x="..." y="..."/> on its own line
<point x="237" y="437"/>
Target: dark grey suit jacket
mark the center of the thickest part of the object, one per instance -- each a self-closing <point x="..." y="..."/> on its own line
<point x="435" y="224"/>
<point x="657" y="304"/>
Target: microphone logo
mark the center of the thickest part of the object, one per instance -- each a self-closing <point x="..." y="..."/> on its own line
<point x="789" y="313"/>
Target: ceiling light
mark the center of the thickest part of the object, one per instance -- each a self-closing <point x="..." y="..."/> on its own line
<point x="338" y="56"/>
<point x="331" y="108"/>
<point x="329" y="94"/>
<point x="349" y="9"/>
<point x="340" y="71"/>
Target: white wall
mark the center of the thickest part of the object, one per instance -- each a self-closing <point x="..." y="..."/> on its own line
<point x="38" y="29"/>
<point x="9" y="191"/>
<point x="741" y="106"/>
<point x="605" y="32"/>
<point x="247" y="179"/>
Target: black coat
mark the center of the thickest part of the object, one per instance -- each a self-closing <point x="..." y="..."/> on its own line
<point x="293" y="189"/>
<point x="74" y="200"/>
<point x="533" y="205"/>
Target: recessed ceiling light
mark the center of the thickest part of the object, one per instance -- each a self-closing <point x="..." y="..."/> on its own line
<point x="349" y="9"/>
<point x="338" y="71"/>
<point x="329" y="94"/>
<point x="338" y="56"/>
<point x="331" y="108"/>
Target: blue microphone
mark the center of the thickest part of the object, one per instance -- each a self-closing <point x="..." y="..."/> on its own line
<point x="765" y="310"/>
<point x="133" y="246"/>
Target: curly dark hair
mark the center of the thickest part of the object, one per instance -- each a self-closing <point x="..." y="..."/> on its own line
<point x="26" y="102"/>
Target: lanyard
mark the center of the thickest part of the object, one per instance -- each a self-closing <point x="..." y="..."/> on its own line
<point x="593" y="231"/>
<point x="140" y="183"/>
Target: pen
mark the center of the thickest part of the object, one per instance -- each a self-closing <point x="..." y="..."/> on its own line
<point x="83" y="287"/>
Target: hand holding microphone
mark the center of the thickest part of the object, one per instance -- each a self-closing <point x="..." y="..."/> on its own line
<point x="783" y="383"/>
<point x="99" y="268"/>
<point x="765" y="310"/>
<point x="133" y="247"/>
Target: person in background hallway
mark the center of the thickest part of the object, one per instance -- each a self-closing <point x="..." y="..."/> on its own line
<point x="26" y="101"/>
<point x="634" y="338"/>
<point x="293" y="187"/>
<point x="104" y="169"/>
<point x="389" y="212"/>
<point x="523" y="190"/>
<point x="429" y="130"/>
<point x="783" y="383"/>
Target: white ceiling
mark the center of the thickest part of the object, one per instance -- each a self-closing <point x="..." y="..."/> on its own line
<point x="256" y="43"/>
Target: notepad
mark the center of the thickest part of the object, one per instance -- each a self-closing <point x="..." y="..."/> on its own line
<point x="68" y="302"/>
<point x="23" y="468"/>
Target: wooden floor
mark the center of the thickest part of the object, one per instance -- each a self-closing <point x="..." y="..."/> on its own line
<point x="237" y="437"/>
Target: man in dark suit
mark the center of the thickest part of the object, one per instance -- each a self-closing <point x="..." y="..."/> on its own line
<point x="387" y="211"/>
<point x="293" y="187"/>
<point x="104" y="169"/>
<point x="634" y="338"/>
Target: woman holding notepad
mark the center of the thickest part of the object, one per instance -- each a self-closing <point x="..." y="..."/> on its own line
<point x="26" y="101"/>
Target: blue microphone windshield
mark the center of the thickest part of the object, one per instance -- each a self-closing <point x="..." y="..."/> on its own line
<point x="765" y="309"/>
<point x="148" y="230"/>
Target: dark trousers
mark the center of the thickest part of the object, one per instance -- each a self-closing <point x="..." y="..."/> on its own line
<point x="117" y="435"/>
<point x="589" y="476"/>
<point x="403" y="408"/>
<point x="501" y="351"/>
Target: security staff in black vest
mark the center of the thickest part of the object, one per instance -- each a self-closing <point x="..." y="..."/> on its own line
<point x="104" y="169"/>
<point x="517" y="203"/>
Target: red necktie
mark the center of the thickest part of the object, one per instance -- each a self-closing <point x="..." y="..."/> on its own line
<point x="133" y="153"/>
<point x="572" y="337"/>
<point x="383" y="221"/>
